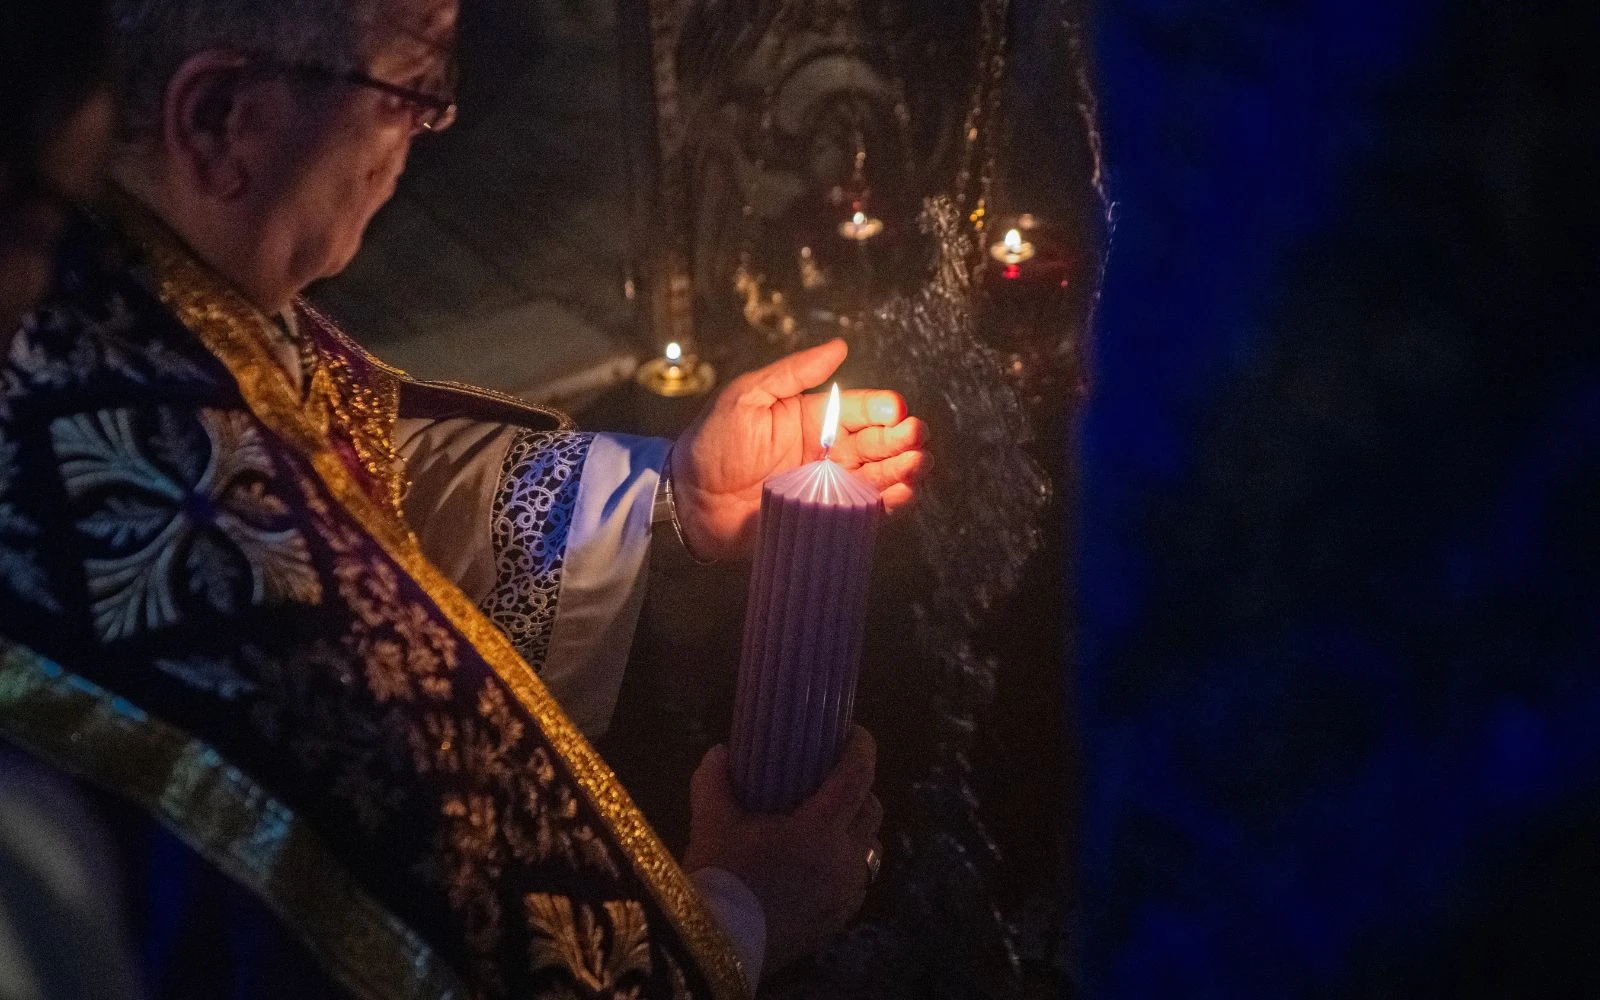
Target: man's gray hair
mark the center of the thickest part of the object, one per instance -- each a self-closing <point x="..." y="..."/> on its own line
<point x="152" y="38"/>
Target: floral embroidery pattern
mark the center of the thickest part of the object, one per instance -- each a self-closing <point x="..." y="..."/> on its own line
<point x="181" y="512"/>
<point x="508" y="804"/>
<point x="66" y="346"/>
<point x="19" y="567"/>
<point x="576" y="941"/>
<point x="176" y="529"/>
<point x="531" y="517"/>
<point x="304" y="706"/>
<point x="404" y="652"/>
<point x="522" y="813"/>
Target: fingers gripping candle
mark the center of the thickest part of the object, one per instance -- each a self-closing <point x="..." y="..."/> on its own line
<point x="803" y="628"/>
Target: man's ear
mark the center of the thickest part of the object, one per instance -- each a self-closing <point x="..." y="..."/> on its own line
<point x="202" y="117"/>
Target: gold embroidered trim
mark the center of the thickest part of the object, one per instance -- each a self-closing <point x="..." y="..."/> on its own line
<point x="225" y="817"/>
<point x="219" y="317"/>
<point x="401" y="377"/>
<point x="367" y="408"/>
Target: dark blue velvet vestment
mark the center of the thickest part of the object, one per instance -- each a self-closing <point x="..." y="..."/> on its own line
<point x="328" y="774"/>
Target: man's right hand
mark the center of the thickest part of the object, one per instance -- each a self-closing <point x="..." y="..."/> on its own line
<point x="808" y="868"/>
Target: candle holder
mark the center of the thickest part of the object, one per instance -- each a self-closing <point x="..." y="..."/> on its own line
<point x="1012" y="249"/>
<point x="676" y="372"/>
<point x="860" y="227"/>
<point x="1025" y="289"/>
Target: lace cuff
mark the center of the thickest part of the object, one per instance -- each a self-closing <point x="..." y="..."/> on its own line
<point x="530" y="521"/>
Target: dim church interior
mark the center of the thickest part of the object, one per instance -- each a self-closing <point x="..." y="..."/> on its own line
<point x="507" y="258"/>
<point x="503" y="261"/>
<point x="502" y="258"/>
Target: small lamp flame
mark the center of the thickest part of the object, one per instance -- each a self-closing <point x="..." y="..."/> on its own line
<point x="675" y="371"/>
<point x="860" y="226"/>
<point x="1012" y="249"/>
<point x="830" y="420"/>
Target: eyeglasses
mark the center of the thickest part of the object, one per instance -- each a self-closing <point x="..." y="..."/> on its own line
<point x="431" y="112"/>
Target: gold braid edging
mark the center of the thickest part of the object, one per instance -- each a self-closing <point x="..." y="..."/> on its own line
<point x="368" y="408"/>
<point x="219" y="317"/>
<point x="400" y="378"/>
<point x="225" y="817"/>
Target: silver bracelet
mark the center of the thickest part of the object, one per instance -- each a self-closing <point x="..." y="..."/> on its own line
<point x="666" y="509"/>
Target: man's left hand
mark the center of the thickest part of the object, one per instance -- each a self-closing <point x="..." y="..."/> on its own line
<point x="762" y="423"/>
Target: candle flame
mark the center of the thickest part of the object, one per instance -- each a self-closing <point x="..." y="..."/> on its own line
<point x="830" y="419"/>
<point x="674" y="351"/>
<point x="1013" y="240"/>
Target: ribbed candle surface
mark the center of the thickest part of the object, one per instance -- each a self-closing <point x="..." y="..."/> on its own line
<point x="802" y="633"/>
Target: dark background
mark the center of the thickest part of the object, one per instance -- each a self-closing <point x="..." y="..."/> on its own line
<point x="1339" y="564"/>
<point x="1326" y="527"/>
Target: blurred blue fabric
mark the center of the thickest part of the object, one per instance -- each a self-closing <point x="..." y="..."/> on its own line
<point x="1337" y="674"/>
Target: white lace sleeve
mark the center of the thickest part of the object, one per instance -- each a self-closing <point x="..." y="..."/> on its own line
<point x="548" y="533"/>
<point x="529" y="524"/>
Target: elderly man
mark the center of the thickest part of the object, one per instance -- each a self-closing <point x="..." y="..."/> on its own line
<point x="276" y="194"/>
<point x="217" y="613"/>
